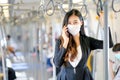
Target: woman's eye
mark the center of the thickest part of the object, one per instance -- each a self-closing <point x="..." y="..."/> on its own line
<point x="69" y="23"/>
<point x="75" y="22"/>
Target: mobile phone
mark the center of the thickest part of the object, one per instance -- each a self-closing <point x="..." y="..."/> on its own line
<point x="67" y="33"/>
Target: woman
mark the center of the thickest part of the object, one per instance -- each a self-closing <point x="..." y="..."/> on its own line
<point x="115" y="67"/>
<point x="73" y="48"/>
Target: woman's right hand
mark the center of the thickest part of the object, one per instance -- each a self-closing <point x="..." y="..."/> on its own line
<point x="65" y="36"/>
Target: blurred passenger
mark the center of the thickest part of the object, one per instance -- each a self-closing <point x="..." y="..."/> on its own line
<point x="116" y="62"/>
<point x="36" y="51"/>
<point x="11" y="42"/>
<point x="73" y="48"/>
<point x="13" y="49"/>
<point x="11" y="71"/>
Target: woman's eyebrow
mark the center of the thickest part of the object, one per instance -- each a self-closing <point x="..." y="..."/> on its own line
<point x="75" y="20"/>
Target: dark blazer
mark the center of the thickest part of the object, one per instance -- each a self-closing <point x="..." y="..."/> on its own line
<point x="82" y="72"/>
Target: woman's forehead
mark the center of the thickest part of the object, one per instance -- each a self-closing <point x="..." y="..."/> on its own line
<point x="73" y="18"/>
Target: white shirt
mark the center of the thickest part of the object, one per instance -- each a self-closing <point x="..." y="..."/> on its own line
<point x="75" y="62"/>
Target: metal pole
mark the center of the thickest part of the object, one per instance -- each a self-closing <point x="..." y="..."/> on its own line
<point x="3" y="51"/>
<point x="4" y="65"/>
<point x="106" y="41"/>
<point x="70" y="4"/>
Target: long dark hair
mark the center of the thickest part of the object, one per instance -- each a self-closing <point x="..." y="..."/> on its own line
<point x="116" y="47"/>
<point x="71" y="49"/>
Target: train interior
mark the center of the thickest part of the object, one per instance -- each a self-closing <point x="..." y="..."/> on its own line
<point x="29" y="28"/>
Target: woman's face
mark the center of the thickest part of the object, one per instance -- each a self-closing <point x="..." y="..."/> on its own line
<point x="74" y="20"/>
<point x="74" y="25"/>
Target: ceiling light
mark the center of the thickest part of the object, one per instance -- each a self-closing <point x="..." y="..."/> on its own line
<point x="77" y="1"/>
<point x="3" y="1"/>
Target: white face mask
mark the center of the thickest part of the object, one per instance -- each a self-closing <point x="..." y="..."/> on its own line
<point x="117" y="56"/>
<point x="74" y="29"/>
